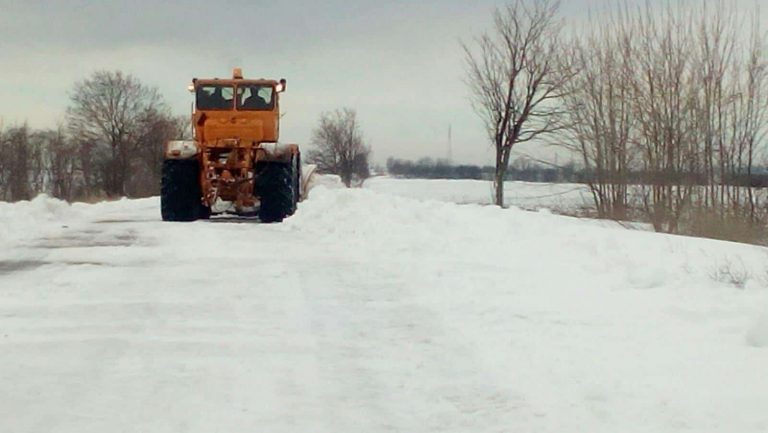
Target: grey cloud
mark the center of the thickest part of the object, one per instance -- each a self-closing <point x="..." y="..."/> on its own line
<point x="397" y="61"/>
<point x="80" y="24"/>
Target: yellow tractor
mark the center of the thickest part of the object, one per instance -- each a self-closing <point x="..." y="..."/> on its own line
<point x="234" y="164"/>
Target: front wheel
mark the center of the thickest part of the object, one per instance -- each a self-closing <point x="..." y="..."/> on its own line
<point x="180" y="192"/>
<point x="277" y="187"/>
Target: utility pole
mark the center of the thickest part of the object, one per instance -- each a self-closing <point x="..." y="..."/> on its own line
<point x="450" y="145"/>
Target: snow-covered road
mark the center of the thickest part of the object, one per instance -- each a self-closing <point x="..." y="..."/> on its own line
<point x="373" y="313"/>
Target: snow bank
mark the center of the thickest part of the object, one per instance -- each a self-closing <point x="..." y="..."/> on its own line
<point x="326" y="180"/>
<point x="566" y="250"/>
<point x="25" y="219"/>
<point x="46" y="216"/>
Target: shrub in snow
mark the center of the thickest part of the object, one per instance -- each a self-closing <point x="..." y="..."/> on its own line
<point x="734" y="274"/>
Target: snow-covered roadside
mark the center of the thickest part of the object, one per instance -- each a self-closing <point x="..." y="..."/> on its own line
<point x="27" y="219"/>
<point x="372" y="312"/>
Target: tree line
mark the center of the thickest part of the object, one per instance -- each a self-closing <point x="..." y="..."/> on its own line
<point x="680" y="97"/>
<point x="521" y="169"/>
<point x="110" y="144"/>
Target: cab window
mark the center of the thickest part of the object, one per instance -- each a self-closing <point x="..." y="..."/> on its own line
<point x="255" y="97"/>
<point x="215" y="97"/>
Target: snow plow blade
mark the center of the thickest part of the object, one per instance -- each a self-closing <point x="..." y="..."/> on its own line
<point x="307" y="175"/>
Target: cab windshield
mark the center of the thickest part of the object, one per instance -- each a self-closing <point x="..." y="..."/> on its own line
<point x="215" y="97"/>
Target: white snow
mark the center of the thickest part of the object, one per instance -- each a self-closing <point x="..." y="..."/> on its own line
<point x="758" y="333"/>
<point x="373" y="312"/>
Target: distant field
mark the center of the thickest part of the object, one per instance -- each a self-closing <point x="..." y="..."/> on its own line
<point x="562" y="198"/>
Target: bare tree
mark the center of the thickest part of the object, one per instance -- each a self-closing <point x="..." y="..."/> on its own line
<point x="107" y="116"/>
<point x="60" y="161"/>
<point x="34" y="162"/>
<point x="4" y="164"/>
<point x="157" y="128"/>
<point x="21" y="172"/>
<point x="600" y="120"/>
<point x="753" y="113"/>
<point x="663" y="98"/>
<point x="515" y="75"/>
<point x="339" y="147"/>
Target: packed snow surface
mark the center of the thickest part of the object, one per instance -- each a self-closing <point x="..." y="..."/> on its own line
<point x="372" y="312"/>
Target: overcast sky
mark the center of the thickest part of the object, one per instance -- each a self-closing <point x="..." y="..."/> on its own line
<point x="398" y="63"/>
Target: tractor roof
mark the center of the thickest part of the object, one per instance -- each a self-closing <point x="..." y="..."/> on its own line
<point x="237" y="78"/>
<point x="232" y="81"/>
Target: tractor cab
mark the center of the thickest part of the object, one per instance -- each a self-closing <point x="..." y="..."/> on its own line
<point x="237" y="108"/>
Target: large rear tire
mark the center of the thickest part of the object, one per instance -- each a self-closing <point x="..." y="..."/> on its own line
<point x="296" y="174"/>
<point x="278" y="189"/>
<point x="180" y="192"/>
